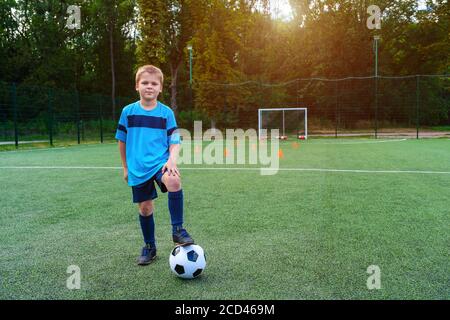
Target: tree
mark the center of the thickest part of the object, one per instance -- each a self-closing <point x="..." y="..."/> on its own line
<point x="110" y="25"/>
<point x="165" y="28"/>
<point x="227" y="51"/>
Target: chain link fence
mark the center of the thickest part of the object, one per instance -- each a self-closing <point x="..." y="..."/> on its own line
<point x="46" y="116"/>
<point x="411" y="106"/>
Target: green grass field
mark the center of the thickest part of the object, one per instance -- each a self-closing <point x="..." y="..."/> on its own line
<point x="299" y="234"/>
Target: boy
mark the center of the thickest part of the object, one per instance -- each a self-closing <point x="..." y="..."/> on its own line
<point x="149" y="147"/>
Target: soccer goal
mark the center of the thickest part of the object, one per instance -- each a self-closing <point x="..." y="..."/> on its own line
<point x="291" y="122"/>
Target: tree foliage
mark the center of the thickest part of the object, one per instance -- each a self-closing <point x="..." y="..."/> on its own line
<point x="234" y="41"/>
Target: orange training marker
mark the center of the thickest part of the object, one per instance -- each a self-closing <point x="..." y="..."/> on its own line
<point x="295" y="145"/>
<point x="226" y="153"/>
<point x="280" y="153"/>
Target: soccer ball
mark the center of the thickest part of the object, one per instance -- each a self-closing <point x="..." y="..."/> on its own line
<point x="187" y="262"/>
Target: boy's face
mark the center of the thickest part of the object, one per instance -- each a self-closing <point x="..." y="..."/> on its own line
<point x="149" y="86"/>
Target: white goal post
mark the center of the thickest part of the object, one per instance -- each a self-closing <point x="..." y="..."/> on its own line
<point x="284" y="119"/>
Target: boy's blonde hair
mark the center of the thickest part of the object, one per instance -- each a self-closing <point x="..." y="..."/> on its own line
<point x="152" y="70"/>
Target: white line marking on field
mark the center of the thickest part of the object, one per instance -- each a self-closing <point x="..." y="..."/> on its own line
<point x="234" y="169"/>
<point x="61" y="167"/>
<point x="29" y="150"/>
<point x="69" y="147"/>
<point x="362" y="171"/>
<point x="358" y="142"/>
<point x="6" y="143"/>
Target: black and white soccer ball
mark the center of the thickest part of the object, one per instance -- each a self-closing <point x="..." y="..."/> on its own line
<point x="187" y="262"/>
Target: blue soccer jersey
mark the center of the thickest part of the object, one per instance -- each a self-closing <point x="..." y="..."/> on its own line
<point x="148" y="135"/>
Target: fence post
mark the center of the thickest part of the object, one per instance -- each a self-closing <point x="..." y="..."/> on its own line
<point x="376" y="107"/>
<point x="5" y="121"/>
<point x="101" y="120"/>
<point x="82" y="130"/>
<point x="77" y="101"/>
<point x="417" y="105"/>
<point x="225" y="115"/>
<point x="191" y="97"/>
<point x="261" y="94"/>
<point x="50" y="117"/>
<point x="14" y="105"/>
<point x="336" y="111"/>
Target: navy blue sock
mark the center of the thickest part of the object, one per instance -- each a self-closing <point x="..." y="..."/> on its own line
<point x="176" y="209"/>
<point x="148" y="229"/>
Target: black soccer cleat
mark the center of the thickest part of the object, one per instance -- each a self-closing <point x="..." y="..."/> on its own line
<point x="181" y="237"/>
<point x="147" y="256"/>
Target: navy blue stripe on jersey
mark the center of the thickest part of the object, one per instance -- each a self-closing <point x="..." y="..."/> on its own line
<point x="170" y="131"/>
<point x="122" y="128"/>
<point x="146" y="122"/>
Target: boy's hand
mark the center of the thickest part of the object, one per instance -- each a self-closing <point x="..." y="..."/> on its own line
<point x="125" y="174"/>
<point x="171" y="168"/>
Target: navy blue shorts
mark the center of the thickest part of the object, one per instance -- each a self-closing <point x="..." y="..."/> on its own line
<point x="147" y="190"/>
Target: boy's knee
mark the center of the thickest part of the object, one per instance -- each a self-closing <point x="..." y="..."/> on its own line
<point x="146" y="208"/>
<point x="173" y="183"/>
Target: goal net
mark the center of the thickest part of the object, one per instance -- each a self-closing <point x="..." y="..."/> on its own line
<point x="292" y="123"/>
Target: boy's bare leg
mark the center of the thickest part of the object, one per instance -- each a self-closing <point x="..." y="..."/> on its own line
<point x="146" y="208"/>
<point x="172" y="182"/>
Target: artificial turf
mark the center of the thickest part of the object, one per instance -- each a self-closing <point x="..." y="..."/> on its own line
<point x="298" y="234"/>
